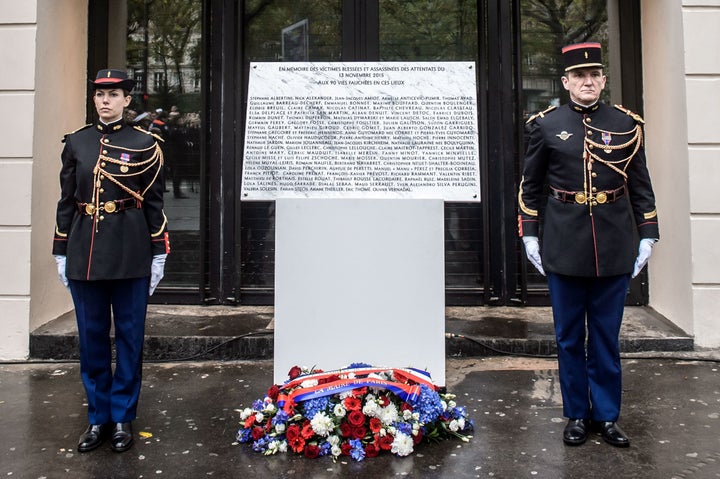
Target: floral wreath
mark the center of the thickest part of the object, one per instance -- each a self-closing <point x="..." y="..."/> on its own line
<point x="358" y="411"/>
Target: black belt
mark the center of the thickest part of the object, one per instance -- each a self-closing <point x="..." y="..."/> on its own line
<point x="580" y="197"/>
<point x="112" y="206"/>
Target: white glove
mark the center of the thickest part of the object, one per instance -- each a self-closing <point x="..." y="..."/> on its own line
<point x="60" y="261"/>
<point x="644" y="252"/>
<point x="157" y="271"/>
<point x="532" y="250"/>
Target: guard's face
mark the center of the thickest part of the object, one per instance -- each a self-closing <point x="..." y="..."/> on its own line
<point x="110" y="104"/>
<point x="584" y="84"/>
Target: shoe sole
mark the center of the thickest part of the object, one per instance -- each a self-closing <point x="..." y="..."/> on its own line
<point x="122" y="449"/>
<point x="579" y="442"/>
<point x="88" y="449"/>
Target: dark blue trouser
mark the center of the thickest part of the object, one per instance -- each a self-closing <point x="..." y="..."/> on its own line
<point x="590" y="379"/>
<point x="112" y="397"/>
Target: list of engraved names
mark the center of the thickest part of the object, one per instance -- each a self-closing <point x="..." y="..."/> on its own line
<point x="369" y="143"/>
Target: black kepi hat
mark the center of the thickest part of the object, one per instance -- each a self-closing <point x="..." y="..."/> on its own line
<point x="582" y="55"/>
<point x="110" y="78"/>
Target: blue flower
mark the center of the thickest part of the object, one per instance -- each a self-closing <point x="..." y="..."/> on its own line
<point x="358" y="451"/>
<point x="280" y="418"/>
<point x="261" y="444"/>
<point x="428" y="405"/>
<point x="244" y="435"/>
<point x="314" y="406"/>
<point x="404" y="427"/>
<point x="258" y="405"/>
<point x="359" y="365"/>
<point x="325" y="448"/>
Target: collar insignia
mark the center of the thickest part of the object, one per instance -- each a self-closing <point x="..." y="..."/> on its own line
<point x="564" y="135"/>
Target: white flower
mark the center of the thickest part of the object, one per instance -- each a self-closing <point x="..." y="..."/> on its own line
<point x="322" y="424"/>
<point x="283" y="447"/>
<point x="402" y="445"/>
<point x="461" y="423"/>
<point x="335" y="451"/>
<point x="372" y="409"/>
<point x="454" y="425"/>
<point x="259" y="417"/>
<point x="246" y="413"/>
<point x="333" y="440"/>
<point x="280" y="428"/>
<point x="407" y="414"/>
<point x="388" y="414"/>
<point x="269" y="408"/>
<point x="273" y="447"/>
<point x="444" y="405"/>
<point x="416" y="416"/>
<point x="452" y="404"/>
<point x="339" y="410"/>
<point x="308" y="383"/>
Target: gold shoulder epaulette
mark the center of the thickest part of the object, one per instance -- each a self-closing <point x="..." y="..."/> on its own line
<point x="541" y="114"/>
<point x="75" y="131"/>
<point x="157" y="137"/>
<point x="634" y="116"/>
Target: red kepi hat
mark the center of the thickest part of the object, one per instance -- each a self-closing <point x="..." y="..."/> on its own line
<point x="582" y="55"/>
<point x="113" y="79"/>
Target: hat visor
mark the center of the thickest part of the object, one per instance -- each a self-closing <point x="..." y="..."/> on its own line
<point x="584" y="65"/>
<point x="112" y="83"/>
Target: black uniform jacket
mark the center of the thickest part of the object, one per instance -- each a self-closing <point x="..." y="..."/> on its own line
<point x="110" y="219"/>
<point x="587" y="166"/>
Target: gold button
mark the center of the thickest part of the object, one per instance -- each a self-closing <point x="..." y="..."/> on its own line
<point x="103" y="164"/>
<point x="589" y="120"/>
<point x="102" y="190"/>
<point x="594" y="203"/>
<point x="105" y="140"/>
<point x="101" y="218"/>
<point x="594" y="189"/>
<point x="104" y="152"/>
<point x="594" y="175"/>
<point x="589" y="133"/>
<point x="102" y="177"/>
<point x="590" y="147"/>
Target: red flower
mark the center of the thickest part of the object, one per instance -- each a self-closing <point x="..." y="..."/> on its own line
<point x="406" y="407"/>
<point x="359" y="432"/>
<point x="345" y="429"/>
<point x="371" y="450"/>
<point x="292" y="432"/>
<point x="312" y="451"/>
<point x="273" y="392"/>
<point x="249" y="421"/>
<point x="375" y="425"/>
<point x="345" y="448"/>
<point x="384" y="401"/>
<point x="307" y="430"/>
<point x="356" y="418"/>
<point x="418" y="438"/>
<point x="297" y="444"/>
<point x="385" y="442"/>
<point x="352" y="403"/>
<point x="295" y="371"/>
<point x="257" y="433"/>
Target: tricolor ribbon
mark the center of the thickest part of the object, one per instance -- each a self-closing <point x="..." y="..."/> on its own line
<point x="402" y="386"/>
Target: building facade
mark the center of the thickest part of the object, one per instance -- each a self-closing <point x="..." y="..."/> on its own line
<point x="191" y="60"/>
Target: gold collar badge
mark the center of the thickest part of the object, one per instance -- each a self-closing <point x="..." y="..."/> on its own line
<point x="564" y="135"/>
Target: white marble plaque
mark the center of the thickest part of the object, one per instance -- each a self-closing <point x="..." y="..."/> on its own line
<point x="362" y="130"/>
<point x="359" y="280"/>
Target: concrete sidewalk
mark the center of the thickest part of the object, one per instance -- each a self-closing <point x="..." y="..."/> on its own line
<point x="189" y="410"/>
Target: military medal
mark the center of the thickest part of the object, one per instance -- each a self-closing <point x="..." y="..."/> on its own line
<point x="607" y="138"/>
<point x="125" y="158"/>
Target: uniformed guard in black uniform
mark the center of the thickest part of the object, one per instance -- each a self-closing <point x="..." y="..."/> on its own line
<point x="585" y="162"/>
<point x="110" y="245"/>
